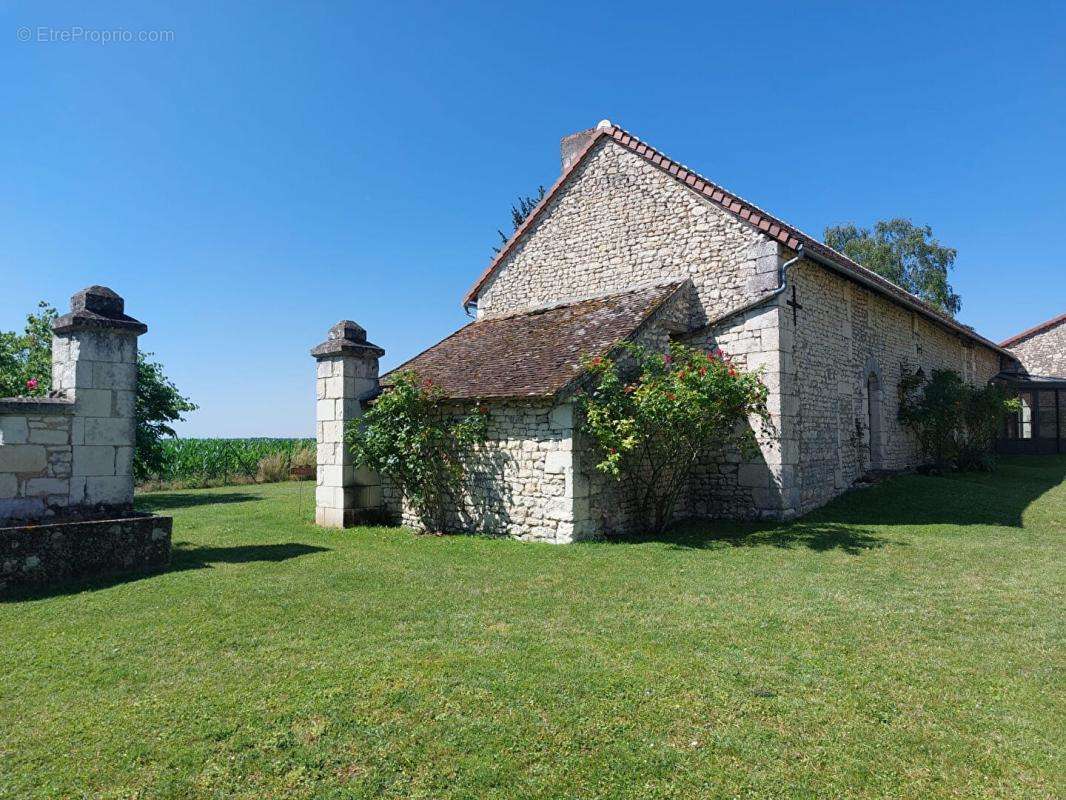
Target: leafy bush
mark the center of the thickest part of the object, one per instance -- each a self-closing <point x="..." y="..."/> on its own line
<point x="955" y="423"/>
<point x="273" y="468"/>
<point x="26" y="358"/>
<point x="407" y="436"/>
<point x="652" y="416"/>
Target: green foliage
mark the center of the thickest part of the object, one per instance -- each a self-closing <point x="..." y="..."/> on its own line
<point x="955" y="423"/>
<point x="26" y="370"/>
<point x="26" y="358"/>
<point x="222" y="460"/>
<point x="159" y="403"/>
<point x="906" y="254"/>
<point x="652" y="416"/>
<point x="408" y="436"/>
<point x="519" y="211"/>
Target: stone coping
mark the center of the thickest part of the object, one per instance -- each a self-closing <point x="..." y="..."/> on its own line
<point x="346" y="347"/>
<point x="6" y="526"/>
<point x="36" y="405"/>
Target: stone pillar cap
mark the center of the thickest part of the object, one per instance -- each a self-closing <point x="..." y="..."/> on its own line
<point x="97" y="307"/>
<point x="347" y="338"/>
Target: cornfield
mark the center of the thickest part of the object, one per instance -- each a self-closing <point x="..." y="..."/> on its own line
<point x="223" y="459"/>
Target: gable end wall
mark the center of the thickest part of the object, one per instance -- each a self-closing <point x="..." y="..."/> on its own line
<point x="1043" y="353"/>
<point x="620" y="222"/>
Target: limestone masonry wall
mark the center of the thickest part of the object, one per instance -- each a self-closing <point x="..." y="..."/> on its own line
<point x="522" y="480"/>
<point x="1043" y="353"/>
<point x="844" y="334"/>
<point x="620" y="222"/>
<point x="72" y="454"/>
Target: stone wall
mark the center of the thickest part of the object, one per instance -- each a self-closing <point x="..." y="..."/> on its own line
<point x="35" y="457"/>
<point x="620" y="222"/>
<point x="521" y="481"/>
<point x="727" y="484"/>
<point x="38" y="556"/>
<point x="71" y="455"/>
<point x="1043" y="353"/>
<point x="844" y="334"/>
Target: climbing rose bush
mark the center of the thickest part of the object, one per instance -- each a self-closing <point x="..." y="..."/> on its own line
<point x="651" y="416"/>
<point x="407" y="436"/>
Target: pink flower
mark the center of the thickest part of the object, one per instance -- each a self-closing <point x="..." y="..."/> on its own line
<point x="667" y="359"/>
<point x="31" y="384"/>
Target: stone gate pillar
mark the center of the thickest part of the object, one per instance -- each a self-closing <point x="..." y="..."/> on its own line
<point x="94" y="363"/>
<point x="347" y="376"/>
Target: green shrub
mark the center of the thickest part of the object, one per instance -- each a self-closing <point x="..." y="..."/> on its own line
<point x="955" y="423"/>
<point x="409" y="437"/>
<point x="652" y="417"/>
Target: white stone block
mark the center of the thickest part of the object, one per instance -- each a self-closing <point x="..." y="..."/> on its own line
<point x="94" y="402"/>
<point x="94" y="461"/>
<point x="50" y="435"/>
<point x="124" y="461"/>
<point x="113" y="376"/>
<point x="22" y="458"/>
<point x="325" y="410"/>
<point x="125" y="403"/>
<point x="108" y="490"/>
<point x="14" y="430"/>
<point x="116" y="431"/>
<point x="754" y="475"/>
<point x="40" y="487"/>
<point x="562" y="417"/>
<point x="324" y="369"/>
<point x="558" y="461"/>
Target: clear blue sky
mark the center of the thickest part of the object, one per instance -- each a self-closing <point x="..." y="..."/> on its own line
<point x="268" y="172"/>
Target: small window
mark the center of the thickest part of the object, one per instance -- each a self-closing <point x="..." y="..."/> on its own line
<point x="1025" y="415"/>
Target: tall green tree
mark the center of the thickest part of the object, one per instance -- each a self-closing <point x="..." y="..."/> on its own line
<point x="906" y="254"/>
<point x="26" y="370"/>
<point x="522" y="208"/>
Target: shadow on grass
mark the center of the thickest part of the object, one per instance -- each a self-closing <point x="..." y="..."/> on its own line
<point x="863" y="519"/>
<point x="184" y="557"/>
<point x="818" y="536"/>
<point x="165" y="501"/>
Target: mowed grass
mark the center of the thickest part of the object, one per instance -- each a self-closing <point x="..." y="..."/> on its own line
<point x="906" y="641"/>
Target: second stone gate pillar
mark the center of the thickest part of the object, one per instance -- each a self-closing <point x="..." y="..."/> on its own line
<point x="347" y="376"/>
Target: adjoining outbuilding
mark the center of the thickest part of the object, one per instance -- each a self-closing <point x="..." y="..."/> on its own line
<point x="631" y="245"/>
<point x="1039" y="379"/>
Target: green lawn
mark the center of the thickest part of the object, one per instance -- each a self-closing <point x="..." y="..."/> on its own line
<point x="906" y="641"/>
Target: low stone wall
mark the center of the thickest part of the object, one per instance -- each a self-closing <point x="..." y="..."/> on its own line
<point x="36" y="557"/>
<point x="35" y="457"/>
<point x="521" y="481"/>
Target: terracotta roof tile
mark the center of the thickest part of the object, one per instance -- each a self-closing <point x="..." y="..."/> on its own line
<point x="535" y="354"/>
<point x="774" y="228"/>
<point x="1043" y="326"/>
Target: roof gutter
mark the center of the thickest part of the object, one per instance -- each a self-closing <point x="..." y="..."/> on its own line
<point x="782" y="284"/>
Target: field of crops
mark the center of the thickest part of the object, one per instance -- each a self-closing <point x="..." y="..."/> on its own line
<point x="222" y="460"/>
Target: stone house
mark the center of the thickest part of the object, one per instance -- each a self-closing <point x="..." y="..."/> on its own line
<point x="630" y="245"/>
<point x="1039" y="378"/>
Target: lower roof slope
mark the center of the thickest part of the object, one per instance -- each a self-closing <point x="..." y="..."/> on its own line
<point x="535" y="354"/>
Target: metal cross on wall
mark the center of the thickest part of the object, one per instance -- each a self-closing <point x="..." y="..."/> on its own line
<point x="795" y="306"/>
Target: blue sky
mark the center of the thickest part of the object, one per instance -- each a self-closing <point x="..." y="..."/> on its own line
<point x="266" y="173"/>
